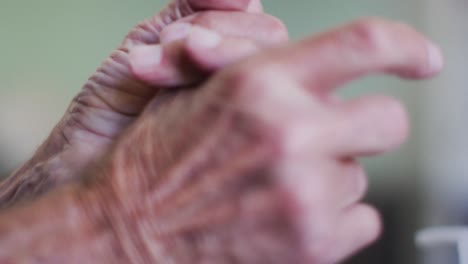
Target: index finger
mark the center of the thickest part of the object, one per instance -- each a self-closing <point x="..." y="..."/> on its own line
<point x="368" y="46"/>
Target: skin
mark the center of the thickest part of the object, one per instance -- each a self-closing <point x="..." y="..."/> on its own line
<point x="257" y="164"/>
<point x="113" y="98"/>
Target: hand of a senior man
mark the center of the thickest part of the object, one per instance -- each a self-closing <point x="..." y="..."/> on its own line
<point x="258" y="165"/>
<point x="113" y="97"/>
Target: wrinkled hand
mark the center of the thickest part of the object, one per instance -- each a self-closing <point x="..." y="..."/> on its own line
<point x="114" y="97"/>
<point x="259" y="164"/>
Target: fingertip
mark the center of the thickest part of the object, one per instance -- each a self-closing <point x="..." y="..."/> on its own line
<point x="435" y="59"/>
<point x="211" y="51"/>
<point x="370" y="223"/>
<point x="148" y="63"/>
<point x="202" y="39"/>
<point x="201" y="45"/>
<point x="145" y="59"/>
<point x="360" y="226"/>
<point x="431" y="64"/>
<point x="175" y="32"/>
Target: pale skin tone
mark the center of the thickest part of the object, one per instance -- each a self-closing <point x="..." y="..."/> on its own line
<point x="255" y="164"/>
<point x="113" y="98"/>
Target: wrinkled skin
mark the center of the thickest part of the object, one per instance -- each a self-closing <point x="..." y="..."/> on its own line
<point x="205" y="194"/>
<point x="256" y="165"/>
<point x="112" y="99"/>
<point x="259" y="165"/>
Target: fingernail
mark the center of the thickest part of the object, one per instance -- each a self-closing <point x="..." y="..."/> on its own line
<point x="201" y="38"/>
<point x="144" y="58"/>
<point x="175" y="32"/>
<point x="436" y="60"/>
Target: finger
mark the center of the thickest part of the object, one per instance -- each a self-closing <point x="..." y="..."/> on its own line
<point x="354" y="181"/>
<point x="158" y="65"/>
<point x="230" y="5"/>
<point x="357" y="228"/>
<point x="148" y="31"/>
<point x="365" y="126"/>
<point x="364" y="47"/>
<point x="362" y="127"/>
<point x="116" y="86"/>
<point x="263" y="28"/>
<point x="219" y="52"/>
<point x="317" y="204"/>
<point x="187" y="61"/>
<point x="326" y="186"/>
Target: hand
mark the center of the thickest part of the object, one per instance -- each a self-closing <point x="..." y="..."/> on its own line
<point x="259" y="164"/>
<point x="113" y="97"/>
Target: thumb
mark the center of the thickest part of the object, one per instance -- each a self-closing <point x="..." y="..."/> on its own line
<point x="234" y="5"/>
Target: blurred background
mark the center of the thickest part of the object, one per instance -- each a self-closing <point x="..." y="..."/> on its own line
<point x="48" y="49"/>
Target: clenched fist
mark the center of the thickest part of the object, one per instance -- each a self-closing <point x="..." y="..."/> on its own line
<point x="114" y="97"/>
<point x="256" y="165"/>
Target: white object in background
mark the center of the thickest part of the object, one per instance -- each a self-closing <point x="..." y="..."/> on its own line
<point x="446" y="235"/>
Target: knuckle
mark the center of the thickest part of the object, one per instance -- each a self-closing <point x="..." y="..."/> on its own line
<point x="369" y="34"/>
<point x="257" y="88"/>
<point x="245" y="87"/>
<point x="303" y="125"/>
<point x="249" y="80"/>
<point x="298" y="135"/>
<point x="241" y="79"/>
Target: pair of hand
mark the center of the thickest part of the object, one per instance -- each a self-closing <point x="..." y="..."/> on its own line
<point x="254" y="161"/>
